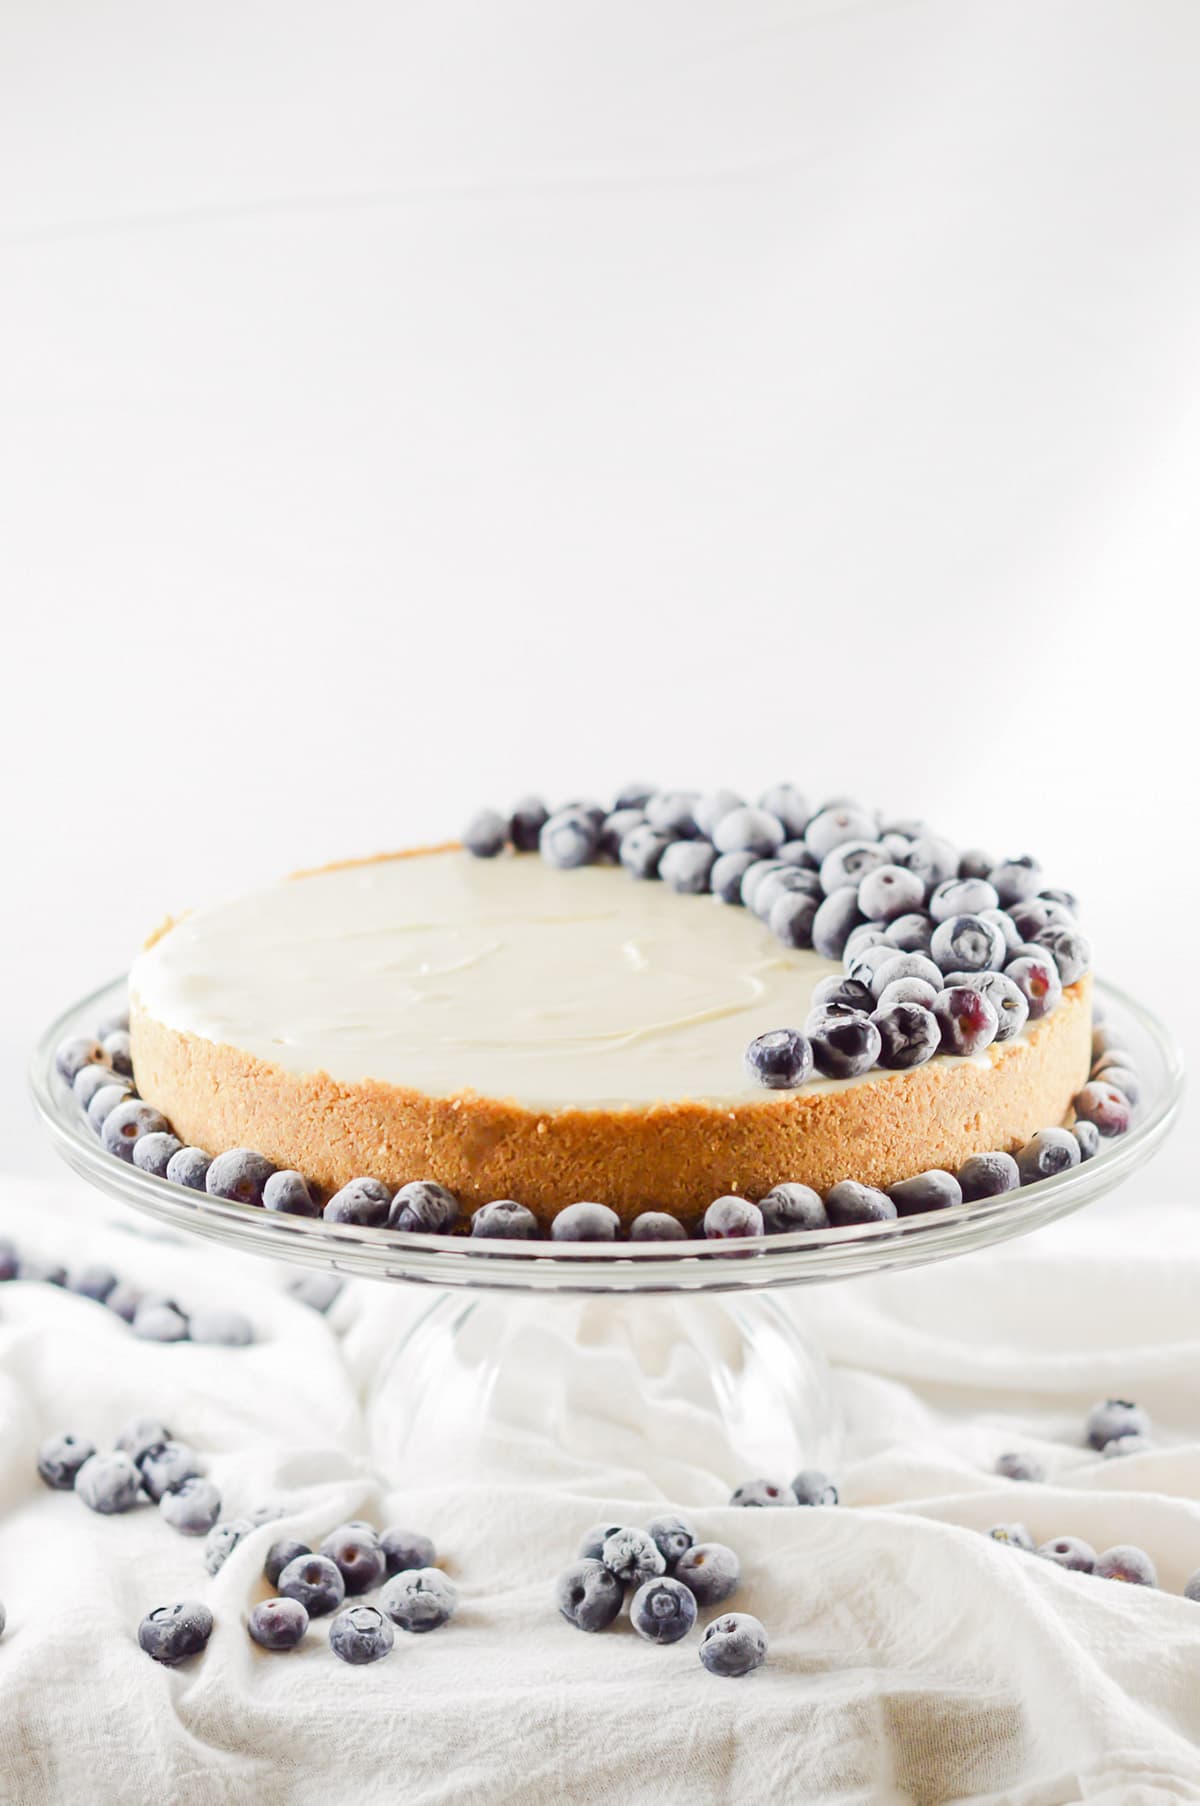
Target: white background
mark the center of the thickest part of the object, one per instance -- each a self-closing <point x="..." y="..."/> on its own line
<point x="402" y="406"/>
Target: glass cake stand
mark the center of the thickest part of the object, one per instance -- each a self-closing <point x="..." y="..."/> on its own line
<point x="694" y="1332"/>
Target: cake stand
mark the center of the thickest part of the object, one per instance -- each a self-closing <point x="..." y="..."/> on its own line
<point x="601" y="1344"/>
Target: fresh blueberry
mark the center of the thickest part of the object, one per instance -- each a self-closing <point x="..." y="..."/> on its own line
<point x="812" y="1487"/>
<point x="1070" y="1552"/>
<point x="505" y="1220"/>
<point x="657" y="1226"/>
<point x="967" y="1020"/>
<point x="1102" y="1104"/>
<point x="592" y="1546"/>
<point x="192" y="1508"/>
<point x="419" y="1599"/>
<point x="1088" y="1137"/>
<point x="904" y="990"/>
<point x="782" y="1059"/>
<point x="315" y="1581"/>
<point x="221" y="1326"/>
<point x="748" y="830"/>
<point x="833" y="826"/>
<point x="166" y="1466"/>
<point x="365" y="1202"/>
<point x="843" y="1049"/>
<point x="93" y="1280"/>
<point x="361" y="1634"/>
<point x="673" y="1536"/>
<point x="933" y="860"/>
<point x="152" y="1153"/>
<point x="108" y="1483"/>
<point x="910" y="934"/>
<point x="790" y="807"/>
<point x="529" y="817"/>
<point x="730" y="1217"/>
<point x="727" y="875"/>
<point x="934" y="1190"/>
<point x="988" y="1175"/>
<point x="1127" y="1563"/>
<point x="239" y="1175"/>
<point x="889" y="892"/>
<point x="486" y="834"/>
<point x="588" y="1595"/>
<point x="288" y="1192"/>
<point x="189" y="1167"/>
<point x="319" y="1291"/>
<point x="360" y="1558"/>
<point x="423" y="1208"/>
<point x="118" y="1051"/>
<point x="223" y="1539"/>
<point x="277" y="1623"/>
<point x="632" y="1555"/>
<point x="663" y="1611"/>
<point x="641" y="851"/>
<point x="673" y="813"/>
<point x="966" y="943"/>
<point x="60" y="1459"/>
<point x="158" y="1320"/>
<point x="712" y="1572"/>
<point x="1013" y="1465"/>
<point x="286" y="1550"/>
<point x="909" y="1033"/>
<point x="568" y="839"/>
<point x="1014" y="1535"/>
<point x="735" y="1644"/>
<point x="76" y="1052"/>
<point x="585" y="1223"/>
<point x="172" y="1633"/>
<point x="1048" y="1152"/>
<point x="1124" y="1078"/>
<point x="849" y="1203"/>
<point x="762" y="1494"/>
<point x="129" y="1120"/>
<point x="791" y="1206"/>
<point x="88" y="1080"/>
<point x="686" y="867"/>
<point x="713" y="807"/>
<point x="1037" y="979"/>
<point x="1114" y="1418"/>
<point x="848" y="864"/>
<point x="833" y="922"/>
<point x="792" y="917"/>
<point x="962" y="897"/>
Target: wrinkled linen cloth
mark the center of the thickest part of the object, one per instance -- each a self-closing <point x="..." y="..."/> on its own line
<point x="911" y="1657"/>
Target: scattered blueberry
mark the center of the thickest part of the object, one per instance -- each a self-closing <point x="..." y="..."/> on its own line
<point x="632" y="1555"/>
<point x="1036" y="977"/>
<point x="76" y="1052"/>
<point x="191" y="1508"/>
<point x="423" y="1208"/>
<point x="172" y="1633"/>
<point x="727" y="875"/>
<point x="315" y="1581"/>
<point x="1048" y="1152"/>
<point x="591" y="1547"/>
<point x="158" y="1320"/>
<point x="189" y="1167"/>
<point x="140" y="1436"/>
<point x="124" y="1300"/>
<point x="663" y="1611"/>
<point x="1015" y="1466"/>
<point x="286" y="1550"/>
<point x="419" y="1599"/>
<point x="657" y="1226"/>
<point x="967" y="1020"/>
<point x="909" y="1033"/>
<point x="889" y="968"/>
<point x="223" y="1539"/>
<point x="791" y="1206"/>
<point x="585" y="1223"/>
<point x="849" y="1203"/>
<point x="278" y="1623"/>
<point x="988" y="1175"/>
<point x="735" y="1644"/>
<point x="635" y="795"/>
<point x="782" y="1059"/>
<point x="730" y="1217"/>
<point x="360" y="1558"/>
<point x="108" y="1483"/>
<point x="35" y="1271"/>
<point x="934" y="1190"/>
<point x="1191" y="1590"/>
<point x="365" y="1202"/>
<point x="486" y="834"/>
<point x="1114" y="1418"/>
<point x="673" y="1537"/>
<point x="505" y="1220"/>
<point x="974" y="863"/>
<point x="221" y="1326"/>
<point x="1015" y="1535"/>
<point x="859" y="939"/>
<point x="361" y="1634"/>
<point x="93" y="1280"/>
<point x="288" y="1192"/>
<point x="588" y="1595"/>
<point x="1127" y="1563"/>
<point x="711" y="1570"/>
<point x="126" y="1122"/>
<point x="847" y="994"/>
<point x="1070" y="1552"/>
<point x="10" y="1260"/>
<point x="568" y="839"/>
<point x="686" y="866"/>
<point x="843" y="1049"/>
<point x="60" y="1459"/>
<point x="1103" y="1105"/>
<point x="238" y="1175"/>
<point x="762" y="1494"/>
<point x="812" y="1487"/>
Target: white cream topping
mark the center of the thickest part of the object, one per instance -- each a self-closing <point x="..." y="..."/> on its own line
<point x="502" y="977"/>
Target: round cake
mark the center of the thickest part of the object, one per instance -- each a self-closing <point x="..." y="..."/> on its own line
<point x="512" y="1029"/>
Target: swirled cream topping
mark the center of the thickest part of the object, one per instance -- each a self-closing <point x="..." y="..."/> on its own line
<point x="502" y="977"/>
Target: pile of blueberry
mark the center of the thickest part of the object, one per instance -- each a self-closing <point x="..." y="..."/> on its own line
<point x="154" y="1316"/>
<point x="670" y="1576"/>
<point x="147" y="1464"/>
<point x="810" y="1487"/>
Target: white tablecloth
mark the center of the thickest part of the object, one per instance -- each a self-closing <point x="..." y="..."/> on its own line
<point x="912" y="1659"/>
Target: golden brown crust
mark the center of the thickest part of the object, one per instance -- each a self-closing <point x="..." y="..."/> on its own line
<point x="676" y="1156"/>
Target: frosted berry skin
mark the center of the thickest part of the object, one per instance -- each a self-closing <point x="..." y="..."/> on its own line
<point x="792" y="916"/>
<point x="714" y="807"/>
<point x="967" y="1020"/>
<point x="189" y="1166"/>
<point x="239" y="1175"/>
<point x="748" y="830"/>
<point x="1127" y="1563"/>
<point x="504" y="1219"/>
<point x="890" y="892"/>
<point x="906" y="990"/>
<point x="108" y="1484"/>
<point x="862" y="936"/>
<point x="153" y="1153"/>
<point x="790" y="1207"/>
<point x="1015" y="1536"/>
<point x="616" y="826"/>
<point x="633" y="1556"/>
<point x="366" y="1202"/>
<point x="1013" y="1465"/>
<point x="316" y="1582"/>
<point x="1103" y="1105"/>
<point x="166" y="1467"/>
<point x="592" y="1546"/>
<point x="280" y="1554"/>
<point x="1015" y="880"/>
<point x="1113" y="1419"/>
<point x="158" y="1320"/>
<point x="486" y="834"/>
<point x="359" y="1558"/>
<point x="711" y="1571"/>
<point x="888" y="971"/>
<point x="849" y="1203"/>
<point x="129" y="1120"/>
<point x="910" y="934"/>
<point x="1088" y="1137"/>
<point x="835" y="918"/>
<point x="404" y="1549"/>
<point x="588" y="1595"/>
<point x="962" y="897"/>
<point x="686" y="867"/>
<point x="278" y="1623"/>
<point x="140" y="1436"/>
<point x="568" y="839"/>
<point x="934" y="860"/>
<point x="585" y="1223"/>
<point x="641" y="851"/>
<point x="731" y="1217"/>
<point x="1123" y="1077"/>
<point x="361" y="1634"/>
<point x="734" y="1645"/>
<point x="529" y="816"/>
<point x="93" y="1280"/>
<point x="909" y="1033"/>
<point x="1048" y="1152"/>
<point x="1008" y="1001"/>
<point x="172" y="1633"/>
<point x="1037" y="979"/>
<point x="727" y="875"/>
<point x="1070" y="1552"/>
<point x="60" y="1459"/>
<point x="672" y="812"/>
<point x="663" y="1611"/>
<point x="834" y="825"/>
<point x="288" y="1193"/>
<point x="762" y="1494"/>
<point x="966" y="943"/>
<point x="193" y="1508"/>
<point x="790" y="807"/>
<point x="657" y="1226"/>
<point x="423" y="1208"/>
<point x="849" y="864"/>
<point x="1070" y="950"/>
<point x="222" y="1540"/>
<point x="76" y="1052"/>
<point x="850" y="993"/>
<point x="782" y="1059"/>
<point x="672" y="1536"/>
<point x="988" y="1176"/>
<point x="88" y="1080"/>
<point x="935" y="1190"/>
<point x="812" y="1487"/>
<point x="843" y="1050"/>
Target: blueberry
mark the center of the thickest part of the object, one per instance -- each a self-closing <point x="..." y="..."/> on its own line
<point x="222" y="1540"/>
<point x="152" y="1153"/>
<point x="10" y="1260"/>
<point x="315" y="1581"/>
<point x="711" y="1570"/>
<point x="158" y="1320"/>
<point x="172" y="1633"/>
<point x="672" y="812"/>
<point x="934" y="1190"/>
<point x="529" y="817"/>
<point x="118" y="1051"/>
<point x="861" y="937"/>
<point x="505" y="1220"/>
<point x="748" y="830"/>
<point x="889" y="892"/>
<point x="1015" y="880"/>
<point x="848" y="993"/>
<point x="588" y="1595"/>
<point x="933" y="860"/>
<point x="486" y="834"/>
<point x="1015" y="1466"/>
<point x="126" y="1122"/>
<point x="288" y="1192"/>
<point x="1065" y="899"/>
<point x="782" y="881"/>
<point x="910" y="934"/>
<point x="361" y="1634"/>
<point x="790" y="807"/>
<point x="909" y="1033"/>
<point x="108" y="1483"/>
<point x="319" y="1291"/>
<point x="221" y="1327"/>
<point x="239" y="1175"/>
<point x="1102" y="1104"/>
<point x="1005" y="997"/>
<point x="192" y="1508"/>
<point x="1070" y="1552"/>
<point x="105" y="1100"/>
<point x="833" y="826"/>
<point x="35" y="1271"/>
<point x="166" y="1466"/>
<point x="1030" y="918"/>
<point x="833" y="922"/>
<point x="140" y="1436"/>
<point x="1126" y="1445"/>
<point x="714" y="807"/>
<point x="1048" y="1152"/>
<point x="1191" y="1590"/>
<point x="568" y="839"/>
<point x="663" y="1611"/>
<point x="189" y="1167"/>
<point x="585" y="1223"/>
<point x="673" y="1537"/>
<point x="794" y="853"/>
<point x="591" y="1547"/>
<point x="1103" y="1062"/>
<point x="888" y="967"/>
<point x="1070" y="950"/>
<point x="792" y="917"/>
<point x="90" y="1079"/>
<point x="727" y="875"/>
<point x="419" y="1599"/>
<point x="757" y="873"/>
<point x="962" y="897"/>
<point x="1124" y="1078"/>
<point x="781" y="1059"/>
<point x="634" y="795"/>
<point x="1088" y="1137"/>
<point x="848" y="864"/>
<point x="686" y="867"/>
<point x="1127" y="1563"/>
<point x="286" y="1550"/>
<point x="614" y="829"/>
<point x="1014" y="1535"/>
<point x="76" y="1052"/>
<point x="997" y="918"/>
<point x="93" y="1281"/>
<point x="1036" y="977"/>
<point x="849" y="1203"/>
<point x="641" y="851"/>
<point x="988" y="1175"/>
<point x="1115" y="1418"/>
<point x="967" y="1020"/>
<point x="843" y="1049"/>
<point x="657" y="1226"/>
<point x="790" y="1206"/>
<point x="60" y="1459"/>
<point x="365" y="1202"/>
<point x="277" y="1623"/>
<point x="762" y="1494"/>
<point x="735" y="1644"/>
<point x="966" y="943"/>
<point x="423" y="1208"/>
<point x="975" y="863"/>
<point x="360" y="1558"/>
<point x="812" y="1487"/>
<point x="632" y="1555"/>
<point x="904" y="990"/>
<point x="731" y="1217"/>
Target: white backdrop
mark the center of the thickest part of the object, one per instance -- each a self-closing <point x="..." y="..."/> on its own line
<point x="402" y="406"/>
